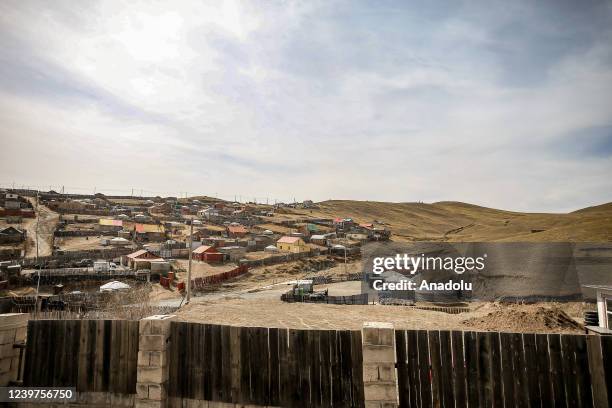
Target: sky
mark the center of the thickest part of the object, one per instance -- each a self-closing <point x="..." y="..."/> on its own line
<point x="496" y="103"/>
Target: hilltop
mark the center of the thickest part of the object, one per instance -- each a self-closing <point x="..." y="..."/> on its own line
<point x="456" y="221"/>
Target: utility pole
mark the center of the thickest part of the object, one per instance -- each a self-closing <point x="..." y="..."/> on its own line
<point x="188" y="297"/>
<point x="37" y="262"/>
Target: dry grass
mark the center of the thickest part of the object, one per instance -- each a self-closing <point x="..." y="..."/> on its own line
<point x="454" y="221"/>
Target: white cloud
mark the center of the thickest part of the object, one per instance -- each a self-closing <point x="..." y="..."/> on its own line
<point x="316" y="100"/>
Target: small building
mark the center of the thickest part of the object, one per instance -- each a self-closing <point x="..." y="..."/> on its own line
<point x="604" y="305"/>
<point x="292" y="244"/>
<point x="140" y="259"/>
<point x="236" y="231"/>
<point x="150" y="232"/>
<point x="206" y="253"/>
<point x="12" y="235"/>
<point x="319" y="240"/>
<point x="234" y="253"/>
<point x="109" y="225"/>
<point x="208" y="213"/>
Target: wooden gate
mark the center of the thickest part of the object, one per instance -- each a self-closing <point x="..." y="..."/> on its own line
<point x="490" y="369"/>
<point x="266" y="366"/>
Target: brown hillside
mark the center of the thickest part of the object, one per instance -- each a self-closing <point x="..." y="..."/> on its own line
<point x="454" y="221"/>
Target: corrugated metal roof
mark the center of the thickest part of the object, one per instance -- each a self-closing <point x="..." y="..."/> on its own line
<point x="149" y="228"/>
<point x="288" y="240"/>
<point x="202" y="249"/>
<point x="110" y="222"/>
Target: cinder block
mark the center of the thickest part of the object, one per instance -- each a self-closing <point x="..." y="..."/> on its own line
<point x="142" y="390"/>
<point x="8" y="351"/>
<point x="386" y="372"/>
<point x="7" y="336"/>
<point x="386" y="337"/>
<point x="157" y="392"/>
<point x="378" y="354"/>
<point x="149" y="404"/>
<point x="152" y="343"/>
<point x="380" y="392"/>
<point x="144" y="358"/>
<point x="21" y="333"/>
<point x="155" y="375"/>
<point x="370" y="335"/>
<point x="370" y="372"/>
<point x="5" y="365"/>
<point x="157" y="359"/>
<point x="9" y="319"/>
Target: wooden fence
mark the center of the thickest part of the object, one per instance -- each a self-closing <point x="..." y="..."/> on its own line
<point x="266" y="366"/>
<point x="200" y="283"/>
<point x="361" y="299"/>
<point x="461" y="369"/>
<point x="91" y="355"/>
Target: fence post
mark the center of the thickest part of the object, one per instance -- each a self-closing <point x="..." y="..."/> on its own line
<point x="152" y="374"/>
<point x="379" y="374"/>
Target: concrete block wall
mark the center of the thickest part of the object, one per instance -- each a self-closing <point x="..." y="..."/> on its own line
<point x="379" y="373"/>
<point x="152" y="377"/>
<point x="13" y="329"/>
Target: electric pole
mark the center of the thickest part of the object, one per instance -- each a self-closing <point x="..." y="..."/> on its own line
<point x="188" y="297"/>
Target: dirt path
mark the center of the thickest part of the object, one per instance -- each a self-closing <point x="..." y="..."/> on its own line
<point x="544" y="317"/>
<point x="47" y="221"/>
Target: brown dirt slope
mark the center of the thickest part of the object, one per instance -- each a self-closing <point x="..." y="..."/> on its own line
<point x="454" y="221"/>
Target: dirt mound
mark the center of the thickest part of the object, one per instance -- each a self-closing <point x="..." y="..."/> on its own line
<point x="529" y="319"/>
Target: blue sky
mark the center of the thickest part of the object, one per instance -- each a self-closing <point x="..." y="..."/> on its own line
<point x="503" y="104"/>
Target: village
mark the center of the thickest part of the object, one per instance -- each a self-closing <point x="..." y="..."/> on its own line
<point x="235" y="277"/>
<point x="156" y="240"/>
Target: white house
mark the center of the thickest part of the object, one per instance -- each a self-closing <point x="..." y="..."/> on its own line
<point x="604" y="304"/>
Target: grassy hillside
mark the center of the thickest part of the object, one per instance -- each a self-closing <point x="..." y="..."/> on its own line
<point x="454" y="221"/>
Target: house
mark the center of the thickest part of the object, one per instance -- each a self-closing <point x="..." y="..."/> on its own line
<point x="234" y="252"/>
<point x="604" y="305"/>
<point x="108" y="225"/>
<point x="140" y="259"/>
<point x="150" y="232"/>
<point x="292" y="244"/>
<point x="236" y="231"/>
<point x="208" y="213"/>
<point x="12" y="235"/>
<point x="208" y="254"/>
<point x="319" y="239"/>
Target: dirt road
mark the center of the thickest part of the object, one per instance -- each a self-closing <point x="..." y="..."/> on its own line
<point x="47" y="221"/>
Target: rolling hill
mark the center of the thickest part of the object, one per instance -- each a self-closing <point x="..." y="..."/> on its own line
<point x="455" y="221"/>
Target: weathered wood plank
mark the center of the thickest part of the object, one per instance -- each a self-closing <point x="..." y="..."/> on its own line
<point x="471" y="361"/>
<point x="583" y="382"/>
<point x="598" y="375"/>
<point x="446" y="363"/>
<point x="556" y="370"/>
<point x="568" y="351"/>
<point x="459" y="377"/>
<point x="425" y="391"/>
<point x="531" y="367"/>
<point x="357" y="392"/>
<point x="403" y="368"/>
<point x="606" y="351"/>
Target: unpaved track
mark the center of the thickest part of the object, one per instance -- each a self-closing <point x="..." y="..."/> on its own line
<point x="47" y="221"/>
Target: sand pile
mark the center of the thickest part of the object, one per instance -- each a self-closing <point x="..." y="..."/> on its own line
<point x="528" y="319"/>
